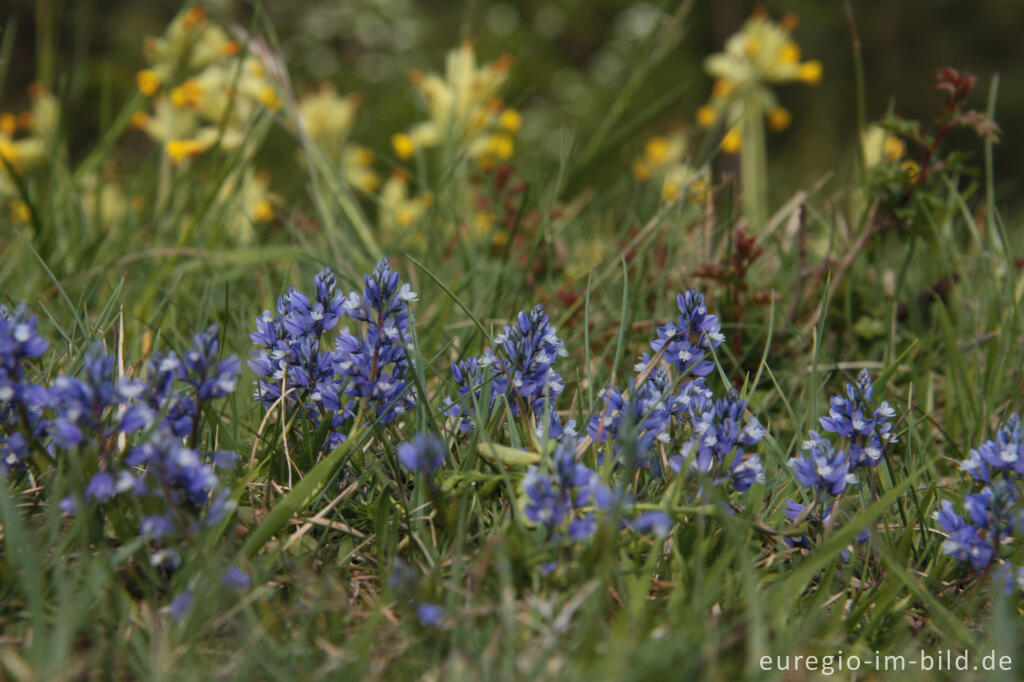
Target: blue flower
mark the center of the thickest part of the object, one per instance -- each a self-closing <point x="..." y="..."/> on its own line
<point x="657" y="522"/>
<point x="687" y="343"/>
<point x="822" y="467"/>
<point x="720" y="436"/>
<point x="156" y="526"/>
<point x="180" y="605"/>
<point x="430" y="615"/>
<point x="100" y="488"/>
<point x="19" y="336"/>
<point x="564" y="494"/>
<point x="1004" y="454"/>
<point x="869" y="431"/>
<point x="425" y="453"/>
<point x="639" y="418"/>
<point x="520" y="367"/>
<point x="963" y="541"/>
<point x="236" y="579"/>
<point x="376" y="362"/>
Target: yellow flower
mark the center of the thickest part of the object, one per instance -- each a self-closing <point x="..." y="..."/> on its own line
<point x="328" y="118"/>
<point x="139" y="119"/>
<point x="148" y="81"/>
<point x="679" y="178"/>
<point x="179" y="150"/>
<point x="893" y="148"/>
<point x="810" y="72"/>
<point x="188" y="94"/>
<point x="262" y="211"/>
<point x="20" y="212"/>
<point x="403" y="146"/>
<point x="463" y="105"/>
<point x="656" y="150"/>
<point x="779" y="119"/>
<point x="194" y="18"/>
<point x="8" y="124"/>
<point x="269" y="99"/>
<point x="789" y="52"/>
<point x="911" y="168"/>
<point x="721" y="88"/>
<point x="399" y="211"/>
<point x="510" y="120"/>
<point x="356" y="163"/>
<point x="706" y="116"/>
<point x="732" y="142"/>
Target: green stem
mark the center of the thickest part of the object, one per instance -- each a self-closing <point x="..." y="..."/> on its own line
<point x="753" y="169"/>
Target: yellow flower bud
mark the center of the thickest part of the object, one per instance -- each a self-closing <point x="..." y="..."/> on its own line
<point x="139" y="119"/>
<point x="403" y="146"/>
<point x="810" y="72"/>
<point x="195" y="17"/>
<point x="268" y="98"/>
<point x="656" y="150"/>
<point x="911" y="169"/>
<point x="8" y="124"/>
<point x="179" y="150"/>
<point x="510" y="120"/>
<point x="9" y="153"/>
<point x="752" y="47"/>
<point x="721" y="88"/>
<point x="20" y="212"/>
<point x="148" y="82"/>
<point x="706" y="116"/>
<point x="893" y="148"/>
<point x="670" y="190"/>
<point x="732" y="141"/>
<point x="789" y="53"/>
<point x="779" y="119"/>
<point x="503" y="146"/>
<point x="262" y="211"/>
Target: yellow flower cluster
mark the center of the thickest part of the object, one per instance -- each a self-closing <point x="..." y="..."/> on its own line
<point x="663" y="160"/>
<point x="880" y="146"/>
<point x="463" y="107"/>
<point x="203" y="91"/>
<point x="400" y="210"/>
<point x="761" y="54"/>
<point x="25" y="141"/>
<point x="327" y="118"/>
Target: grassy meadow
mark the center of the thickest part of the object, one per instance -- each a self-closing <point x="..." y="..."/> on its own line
<point x="502" y="368"/>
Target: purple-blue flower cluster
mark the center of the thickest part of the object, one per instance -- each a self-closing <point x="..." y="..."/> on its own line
<point x="521" y="368"/>
<point x="563" y="493"/>
<point x="636" y="420"/>
<point x="869" y="431"/>
<point x="21" y="401"/>
<point x="425" y="454"/>
<point x="721" y="436"/>
<point x="371" y="364"/>
<point x="127" y="434"/>
<point x="995" y="515"/>
<point x="821" y="467"/>
<point x="826" y="468"/>
<point x="691" y="338"/>
<point x="375" y="362"/>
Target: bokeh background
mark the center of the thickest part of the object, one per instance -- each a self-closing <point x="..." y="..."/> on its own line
<point x="571" y="57"/>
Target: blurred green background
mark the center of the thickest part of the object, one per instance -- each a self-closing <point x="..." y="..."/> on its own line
<point x="572" y="56"/>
